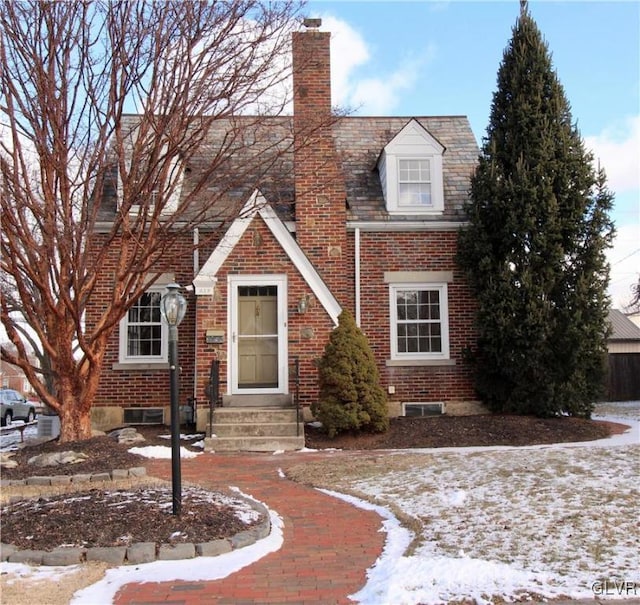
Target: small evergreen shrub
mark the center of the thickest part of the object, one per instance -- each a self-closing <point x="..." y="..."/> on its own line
<point x="351" y="398"/>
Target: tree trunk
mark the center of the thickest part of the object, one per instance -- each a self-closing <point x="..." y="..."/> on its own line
<point x="75" y="422"/>
<point x="76" y="395"/>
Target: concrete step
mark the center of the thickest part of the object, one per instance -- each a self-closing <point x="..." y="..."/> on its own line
<point x="288" y="429"/>
<point x="253" y="444"/>
<point x="255" y="430"/>
<point x="258" y="401"/>
<point x="253" y="416"/>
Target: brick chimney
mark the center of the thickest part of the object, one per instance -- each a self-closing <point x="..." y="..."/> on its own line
<point x="320" y="194"/>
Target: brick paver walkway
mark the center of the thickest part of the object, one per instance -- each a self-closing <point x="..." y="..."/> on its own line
<point x="328" y="544"/>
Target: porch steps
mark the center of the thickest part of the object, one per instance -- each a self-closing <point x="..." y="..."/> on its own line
<point x="257" y="401"/>
<point x="254" y="429"/>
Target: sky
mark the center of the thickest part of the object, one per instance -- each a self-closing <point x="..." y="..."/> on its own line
<point x="471" y="506"/>
<point x="421" y="58"/>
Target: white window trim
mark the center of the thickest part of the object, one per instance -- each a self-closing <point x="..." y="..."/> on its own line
<point x="444" y="321"/>
<point x="146" y="360"/>
<point x="393" y="185"/>
<point x="429" y="163"/>
<point x="413" y="142"/>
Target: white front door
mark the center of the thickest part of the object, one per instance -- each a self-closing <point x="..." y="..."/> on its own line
<point x="258" y="328"/>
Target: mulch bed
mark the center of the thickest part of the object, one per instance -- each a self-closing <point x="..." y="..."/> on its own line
<point x="105" y="454"/>
<point x="114" y="517"/>
<point x="111" y="517"/>
<point x="467" y="431"/>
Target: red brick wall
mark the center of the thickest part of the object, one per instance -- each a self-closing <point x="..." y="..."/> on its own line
<point x="418" y="251"/>
<point x="148" y="388"/>
<point x="259" y="253"/>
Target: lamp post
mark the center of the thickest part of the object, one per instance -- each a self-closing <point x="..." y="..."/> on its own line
<point x="173" y="306"/>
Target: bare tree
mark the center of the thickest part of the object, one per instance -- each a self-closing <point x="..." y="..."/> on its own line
<point x="70" y="71"/>
<point x="39" y="359"/>
<point x="634" y="305"/>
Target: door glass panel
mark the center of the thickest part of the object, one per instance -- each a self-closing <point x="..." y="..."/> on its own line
<point x="257" y="337"/>
<point x="246" y="316"/>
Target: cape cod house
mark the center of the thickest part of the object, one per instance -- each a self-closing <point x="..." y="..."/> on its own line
<point x="366" y="219"/>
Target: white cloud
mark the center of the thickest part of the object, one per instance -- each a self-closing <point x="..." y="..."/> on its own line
<point x="624" y="259"/>
<point x="618" y="150"/>
<point x="348" y="52"/>
<point x="377" y="95"/>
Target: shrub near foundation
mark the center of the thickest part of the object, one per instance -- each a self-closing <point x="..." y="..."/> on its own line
<point x="351" y="398"/>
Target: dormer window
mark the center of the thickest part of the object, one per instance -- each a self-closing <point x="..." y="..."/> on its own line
<point x="410" y="168"/>
<point x="414" y="183"/>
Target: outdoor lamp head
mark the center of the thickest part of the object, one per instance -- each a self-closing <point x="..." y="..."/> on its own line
<point x="173" y="305"/>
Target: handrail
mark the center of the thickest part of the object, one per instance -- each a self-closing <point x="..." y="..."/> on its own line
<point x="296" y="396"/>
<point x="213" y="391"/>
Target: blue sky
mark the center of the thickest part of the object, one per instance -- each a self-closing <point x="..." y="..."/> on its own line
<point x="442" y="58"/>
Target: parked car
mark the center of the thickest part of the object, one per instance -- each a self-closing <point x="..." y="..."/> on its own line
<point x="37" y="404"/>
<point x="15" y="407"/>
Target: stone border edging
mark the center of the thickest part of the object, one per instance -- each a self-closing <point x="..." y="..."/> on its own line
<point x="48" y="480"/>
<point x="139" y="552"/>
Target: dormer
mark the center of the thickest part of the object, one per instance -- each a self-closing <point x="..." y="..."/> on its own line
<point x="410" y="168"/>
<point x="151" y="182"/>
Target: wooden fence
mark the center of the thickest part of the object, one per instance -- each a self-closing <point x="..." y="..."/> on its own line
<point x="623" y="380"/>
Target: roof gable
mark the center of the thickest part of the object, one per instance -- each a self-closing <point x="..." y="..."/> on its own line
<point x="410" y="169"/>
<point x="257" y="205"/>
<point x="414" y="139"/>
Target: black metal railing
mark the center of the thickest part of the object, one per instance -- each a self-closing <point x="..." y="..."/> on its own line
<point x="296" y="392"/>
<point x="213" y="391"/>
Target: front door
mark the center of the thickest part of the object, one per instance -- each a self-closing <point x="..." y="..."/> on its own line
<point x="258" y="334"/>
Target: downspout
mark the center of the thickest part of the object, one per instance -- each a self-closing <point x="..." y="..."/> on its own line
<point x="196" y="268"/>
<point x="357" y="273"/>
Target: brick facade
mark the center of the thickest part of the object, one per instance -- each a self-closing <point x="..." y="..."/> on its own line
<point x="130" y="387"/>
<point x="418" y="251"/>
<point x="337" y="198"/>
<point x="319" y="183"/>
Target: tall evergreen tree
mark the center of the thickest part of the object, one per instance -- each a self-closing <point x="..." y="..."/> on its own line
<point x="534" y="251"/>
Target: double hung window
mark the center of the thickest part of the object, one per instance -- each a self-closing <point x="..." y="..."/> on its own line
<point x="411" y="173"/>
<point x="142" y="331"/>
<point x="414" y="183"/>
<point x="419" y="322"/>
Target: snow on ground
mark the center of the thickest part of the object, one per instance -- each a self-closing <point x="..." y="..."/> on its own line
<point x="10" y="441"/>
<point x="10" y="438"/>
<point x="198" y="569"/>
<point x="542" y="521"/>
<point x="549" y="522"/>
<point x="545" y="521"/>
<point x="161" y="451"/>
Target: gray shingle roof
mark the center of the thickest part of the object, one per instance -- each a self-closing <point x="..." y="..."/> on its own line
<point x="623" y="328"/>
<point x="359" y="143"/>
